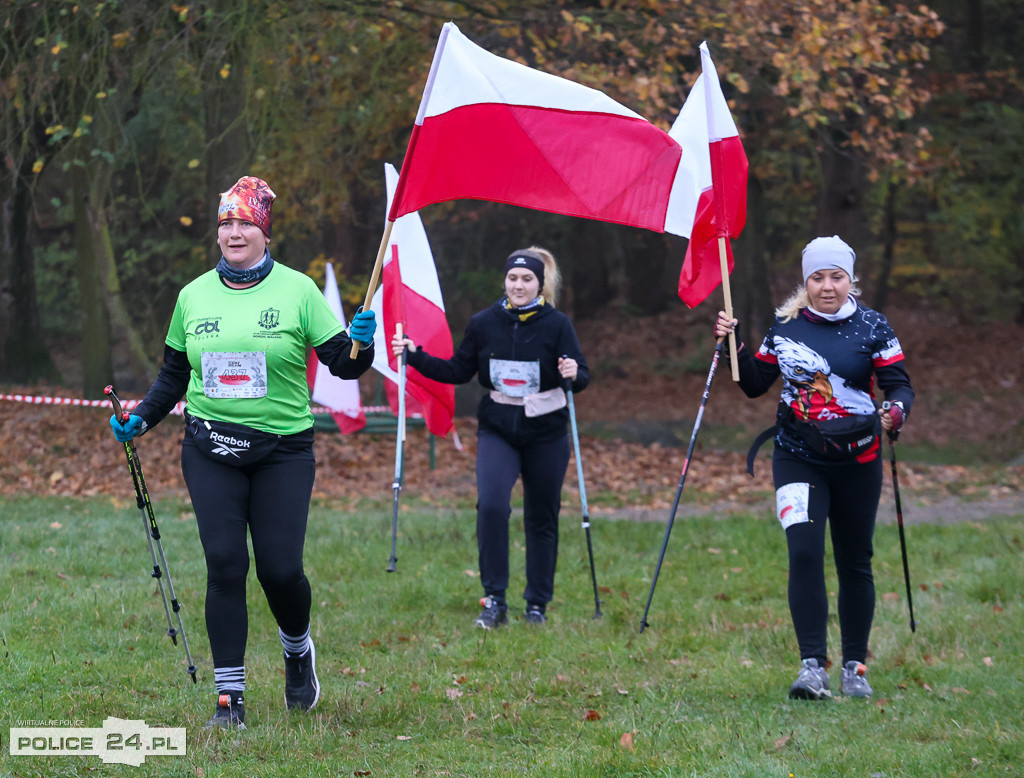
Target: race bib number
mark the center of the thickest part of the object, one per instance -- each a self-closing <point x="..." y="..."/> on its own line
<point x="515" y="379"/>
<point x="234" y="374"/>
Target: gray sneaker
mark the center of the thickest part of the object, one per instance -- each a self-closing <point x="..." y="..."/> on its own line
<point x="493" y="615"/>
<point x="811" y="683"/>
<point x="855" y="679"/>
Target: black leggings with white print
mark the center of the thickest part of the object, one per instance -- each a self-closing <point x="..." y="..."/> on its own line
<point x="846" y="495"/>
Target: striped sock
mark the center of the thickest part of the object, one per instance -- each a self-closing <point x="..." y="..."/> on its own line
<point x="295" y="646"/>
<point x="230" y="680"/>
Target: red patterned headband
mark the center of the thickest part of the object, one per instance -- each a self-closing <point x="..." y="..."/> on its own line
<point x="250" y="199"/>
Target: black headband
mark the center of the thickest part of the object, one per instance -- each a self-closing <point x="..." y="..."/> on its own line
<point x="530" y="261"/>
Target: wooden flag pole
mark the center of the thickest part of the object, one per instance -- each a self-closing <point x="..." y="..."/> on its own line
<point x="724" y="260"/>
<point x="374" y="276"/>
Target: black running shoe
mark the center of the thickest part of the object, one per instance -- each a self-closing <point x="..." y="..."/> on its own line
<point x="230" y="713"/>
<point x="301" y="687"/>
<point x="493" y="615"/>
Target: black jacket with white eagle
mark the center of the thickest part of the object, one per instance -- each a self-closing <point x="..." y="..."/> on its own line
<point x="829" y="371"/>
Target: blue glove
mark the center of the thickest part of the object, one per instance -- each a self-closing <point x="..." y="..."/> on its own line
<point x="129" y="429"/>
<point x="363" y="325"/>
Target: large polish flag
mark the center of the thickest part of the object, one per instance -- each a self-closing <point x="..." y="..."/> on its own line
<point x="410" y="294"/>
<point x="707" y="133"/>
<point x="339" y="395"/>
<point x="492" y="129"/>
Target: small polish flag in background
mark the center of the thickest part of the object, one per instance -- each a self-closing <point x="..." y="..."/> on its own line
<point x="410" y="293"/>
<point x="338" y="394"/>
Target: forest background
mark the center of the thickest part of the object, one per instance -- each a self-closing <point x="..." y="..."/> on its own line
<point x="896" y="126"/>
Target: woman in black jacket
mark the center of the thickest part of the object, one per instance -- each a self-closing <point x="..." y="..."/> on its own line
<point x="525" y="352"/>
<point x="831" y="351"/>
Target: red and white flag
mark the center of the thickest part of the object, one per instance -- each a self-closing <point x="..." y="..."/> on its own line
<point x="410" y="293"/>
<point x="492" y="129"/>
<point x="340" y="395"/>
<point x="711" y="145"/>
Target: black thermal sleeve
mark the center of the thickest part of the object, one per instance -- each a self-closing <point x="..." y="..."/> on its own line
<point x="169" y="387"/>
<point x="336" y="354"/>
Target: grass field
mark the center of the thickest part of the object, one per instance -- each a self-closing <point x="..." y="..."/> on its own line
<point x="411" y="689"/>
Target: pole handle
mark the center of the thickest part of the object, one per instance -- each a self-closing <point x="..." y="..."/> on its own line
<point x="893" y="435"/>
<point x="118" y="411"/>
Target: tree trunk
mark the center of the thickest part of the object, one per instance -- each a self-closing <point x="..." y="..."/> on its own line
<point x="750" y="285"/>
<point x="841" y="204"/>
<point x="881" y="296"/>
<point x="24" y="357"/>
<point x="227" y="119"/>
<point x="97" y="357"/>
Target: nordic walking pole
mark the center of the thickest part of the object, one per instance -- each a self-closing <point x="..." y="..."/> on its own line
<point x="399" y="447"/>
<point x="152" y="531"/>
<point x="583" y="493"/>
<point x="682" y="478"/>
<point x="899" y="518"/>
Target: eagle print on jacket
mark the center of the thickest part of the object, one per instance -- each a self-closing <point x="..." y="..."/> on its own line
<point x="812" y="389"/>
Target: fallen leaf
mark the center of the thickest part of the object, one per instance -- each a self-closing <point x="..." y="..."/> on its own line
<point x="56" y="525"/>
<point x="591" y="715"/>
<point x="891" y="597"/>
<point x="623" y="692"/>
<point x="403" y="737"/>
<point x="987" y="661"/>
<point x="712" y="550"/>
<point x="626" y="741"/>
<point x="361" y="772"/>
<point x="64" y="576"/>
<point x="959" y="690"/>
<point x="471" y="573"/>
<point x="781" y="742"/>
<point x="453" y="694"/>
<point x="461" y="679"/>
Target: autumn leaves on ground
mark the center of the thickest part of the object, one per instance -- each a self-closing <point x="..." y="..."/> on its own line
<point x="635" y="418"/>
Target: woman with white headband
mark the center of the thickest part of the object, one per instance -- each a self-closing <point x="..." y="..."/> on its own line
<point x="831" y="351"/>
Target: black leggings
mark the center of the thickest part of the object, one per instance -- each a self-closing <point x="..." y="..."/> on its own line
<point x="498" y="465"/>
<point x="270" y="499"/>
<point x="847" y="495"/>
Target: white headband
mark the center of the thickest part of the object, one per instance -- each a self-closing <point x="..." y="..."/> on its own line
<point x="826" y="254"/>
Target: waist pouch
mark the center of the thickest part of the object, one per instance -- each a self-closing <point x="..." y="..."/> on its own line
<point x="848" y="436"/>
<point x="537" y="404"/>
<point x="232" y="444"/>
